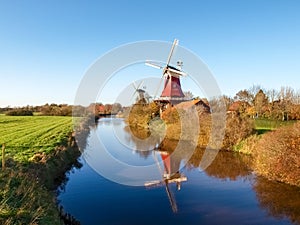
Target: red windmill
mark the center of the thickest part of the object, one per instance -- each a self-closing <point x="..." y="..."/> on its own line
<point x="172" y="88"/>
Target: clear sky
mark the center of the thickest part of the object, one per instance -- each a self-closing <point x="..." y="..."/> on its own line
<point x="47" y="46"/>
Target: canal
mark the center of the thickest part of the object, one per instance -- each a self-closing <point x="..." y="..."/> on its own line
<point x="148" y="185"/>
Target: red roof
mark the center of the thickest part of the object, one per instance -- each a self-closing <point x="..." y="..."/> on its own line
<point x="101" y="108"/>
<point x="236" y="105"/>
<point x="195" y="102"/>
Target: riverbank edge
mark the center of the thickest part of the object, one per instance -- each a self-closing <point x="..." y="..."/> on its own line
<point x="39" y="180"/>
<point x="275" y="153"/>
<point x="247" y="146"/>
<point x="52" y="174"/>
<point x="54" y="171"/>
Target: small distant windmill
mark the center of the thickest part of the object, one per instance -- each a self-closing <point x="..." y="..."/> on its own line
<point x="139" y="91"/>
<point x="172" y="88"/>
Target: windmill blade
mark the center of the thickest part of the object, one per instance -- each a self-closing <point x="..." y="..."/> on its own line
<point x="148" y="63"/>
<point x="140" y="84"/>
<point x="177" y="72"/>
<point x="135" y="90"/>
<point x="171" y="198"/>
<point x="169" y="72"/>
<point x="155" y="183"/>
<point x="134" y="86"/>
<point x="161" y="79"/>
<point x="133" y="95"/>
<point x="172" y="50"/>
<point x="157" y="163"/>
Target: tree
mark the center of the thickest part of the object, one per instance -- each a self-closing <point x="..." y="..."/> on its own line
<point x="108" y="108"/>
<point x="19" y="112"/>
<point x="272" y="95"/>
<point x="188" y="95"/>
<point x="254" y="90"/>
<point x="296" y="99"/>
<point x="219" y="104"/>
<point x="244" y="96"/>
<point x="286" y="96"/>
<point x="260" y="103"/>
<point x="227" y="101"/>
<point x="116" y="107"/>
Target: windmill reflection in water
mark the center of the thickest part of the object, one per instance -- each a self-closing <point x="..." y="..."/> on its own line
<point x="170" y="174"/>
<point x="172" y="93"/>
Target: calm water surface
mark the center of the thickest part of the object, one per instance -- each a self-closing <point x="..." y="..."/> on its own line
<point x="227" y="192"/>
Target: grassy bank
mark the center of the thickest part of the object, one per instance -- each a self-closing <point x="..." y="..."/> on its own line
<point x="276" y="153"/>
<point x="38" y="152"/>
<point x="264" y="125"/>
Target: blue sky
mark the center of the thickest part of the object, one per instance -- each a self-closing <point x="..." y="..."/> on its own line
<point x="47" y="46"/>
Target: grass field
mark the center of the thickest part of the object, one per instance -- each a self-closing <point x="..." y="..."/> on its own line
<point x="26" y="135"/>
<point x="24" y="198"/>
<point x="264" y="125"/>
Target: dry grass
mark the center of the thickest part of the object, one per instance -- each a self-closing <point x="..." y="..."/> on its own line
<point x="277" y="155"/>
<point x="25" y="201"/>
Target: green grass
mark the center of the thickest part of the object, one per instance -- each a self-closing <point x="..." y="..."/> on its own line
<point x="24" y="197"/>
<point x="264" y="125"/>
<point x="24" y="201"/>
<point x="26" y="135"/>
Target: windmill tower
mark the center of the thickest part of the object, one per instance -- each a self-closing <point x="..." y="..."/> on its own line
<point x="172" y="91"/>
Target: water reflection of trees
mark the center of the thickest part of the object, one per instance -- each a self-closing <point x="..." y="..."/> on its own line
<point x="226" y="165"/>
<point x="82" y="131"/>
<point x="110" y="120"/>
<point x="142" y="139"/>
<point x="280" y="200"/>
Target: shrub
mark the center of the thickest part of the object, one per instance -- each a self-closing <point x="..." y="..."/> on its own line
<point x="182" y="124"/>
<point x="19" y="112"/>
<point x="277" y="154"/>
<point x="56" y="110"/>
<point x="248" y="145"/>
<point x="170" y="115"/>
<point x="237" y="129"/>
<point x="141" y="114"/>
